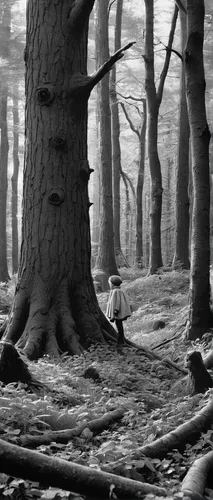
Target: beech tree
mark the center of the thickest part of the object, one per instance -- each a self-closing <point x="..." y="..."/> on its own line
<point x="200" y="314"/>
<point x="14" y="179"/>
<point x="181" y="257"/>
<point x="55" y="307"/>
<point x="105" y="261"/>
<point x="116" y="150"/>
<point x="154" y="98"/>
<point x="5" y="22"/>
<point x="141" y="135"/>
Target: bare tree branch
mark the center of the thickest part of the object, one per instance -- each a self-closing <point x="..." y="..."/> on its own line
<point x="125" y="177"/>
<point x="175" y="52"/>
<point x="131" y="97"/>
<point x="180" y="6"/>
<point x="110" y="6"/>
<point x="82" y="85"/>
<point x="79" y="14"/>
<point x="107" y="66"/>
<point x="131" y="124"/>
<point x="168" y="55"/>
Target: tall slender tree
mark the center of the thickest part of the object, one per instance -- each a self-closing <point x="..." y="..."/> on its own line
<point x="154" y="98"/>
<point x="141" y="135"/>
<point x="106" y="252"/>
<point x="14" y="179"/>
<point x="4" y="146"/>
<point x="116" y="150"/>
<point x="96" y="181"/>
<point x="181" y="256"/>
<point x="200" y="314"/>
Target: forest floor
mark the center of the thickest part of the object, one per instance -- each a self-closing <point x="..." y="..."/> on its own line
<point x="153" y="395"/>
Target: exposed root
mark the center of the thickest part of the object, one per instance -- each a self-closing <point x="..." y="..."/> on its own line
<point x="96" y="426"/>
<point x="53" y="321"/>
<point x="152" y="355"/>
<point x="35" y="466"/>
<point x="189" y="432"/>
<point x="195" y="481"/>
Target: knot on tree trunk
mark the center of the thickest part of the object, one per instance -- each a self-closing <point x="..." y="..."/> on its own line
<point x="56" y="196"/>
<point x="45" y="95"/>
<point x="58" y="142"/>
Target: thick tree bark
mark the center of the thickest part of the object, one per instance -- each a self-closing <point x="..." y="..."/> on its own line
<point x="154" y="99"/>
<point x="181" y="257"/>
<point x="106" y="254"/>
<point x="4" y="148"/>
<point x="14" y="179"/>
<point x="200" y="315"/>
<point x="55" y="307"/>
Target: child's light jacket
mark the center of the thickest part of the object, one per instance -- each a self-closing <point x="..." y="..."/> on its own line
<point x="117" y="301"/>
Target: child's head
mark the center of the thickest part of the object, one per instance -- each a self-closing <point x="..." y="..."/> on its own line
<point x="114" y="281"/>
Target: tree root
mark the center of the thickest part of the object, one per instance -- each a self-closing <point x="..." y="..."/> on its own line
<point x="45" y="321"/>
<point x="194" y="483"/>
<point x="152" y="355"/>
<point x="59" y="473"/>
<point x="96" y="426"/>
<point x="189" y="432"/>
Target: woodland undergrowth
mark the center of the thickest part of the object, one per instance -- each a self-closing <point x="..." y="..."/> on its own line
<point x="154" y="399"/>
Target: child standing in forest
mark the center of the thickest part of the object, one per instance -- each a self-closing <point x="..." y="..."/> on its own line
<point x="118" y="308"/>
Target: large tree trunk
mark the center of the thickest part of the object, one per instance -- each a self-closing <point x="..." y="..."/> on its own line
<point x="154" y="99"/>
<point x="139" y="254"/>
<point x="4" y="148"/>
<point x="106" y="254"/>
<point x="181" y="257"/>
<point x="14" y="179"/>
<point x="200" y="315"/>
<point x="55" y="307"/>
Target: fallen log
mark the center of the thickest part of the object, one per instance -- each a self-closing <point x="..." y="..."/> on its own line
<point x="96" y="426"/>
<point x="35" y="466"/>
<point x="189" y="432"/>
<point x="195" y="481"/>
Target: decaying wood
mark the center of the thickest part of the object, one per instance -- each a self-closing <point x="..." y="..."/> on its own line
<point x="189" y="432"/>
<point x="194" y="483"/>
<point x="208" y="360"/>
<point x="96" y="426"/>
<point x="14" y="369"/>
<point x="199" y="378"/>
<point x="28" y="464"/>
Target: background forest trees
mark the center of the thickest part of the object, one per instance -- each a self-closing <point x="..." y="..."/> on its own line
<point x="128" y="100"/>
